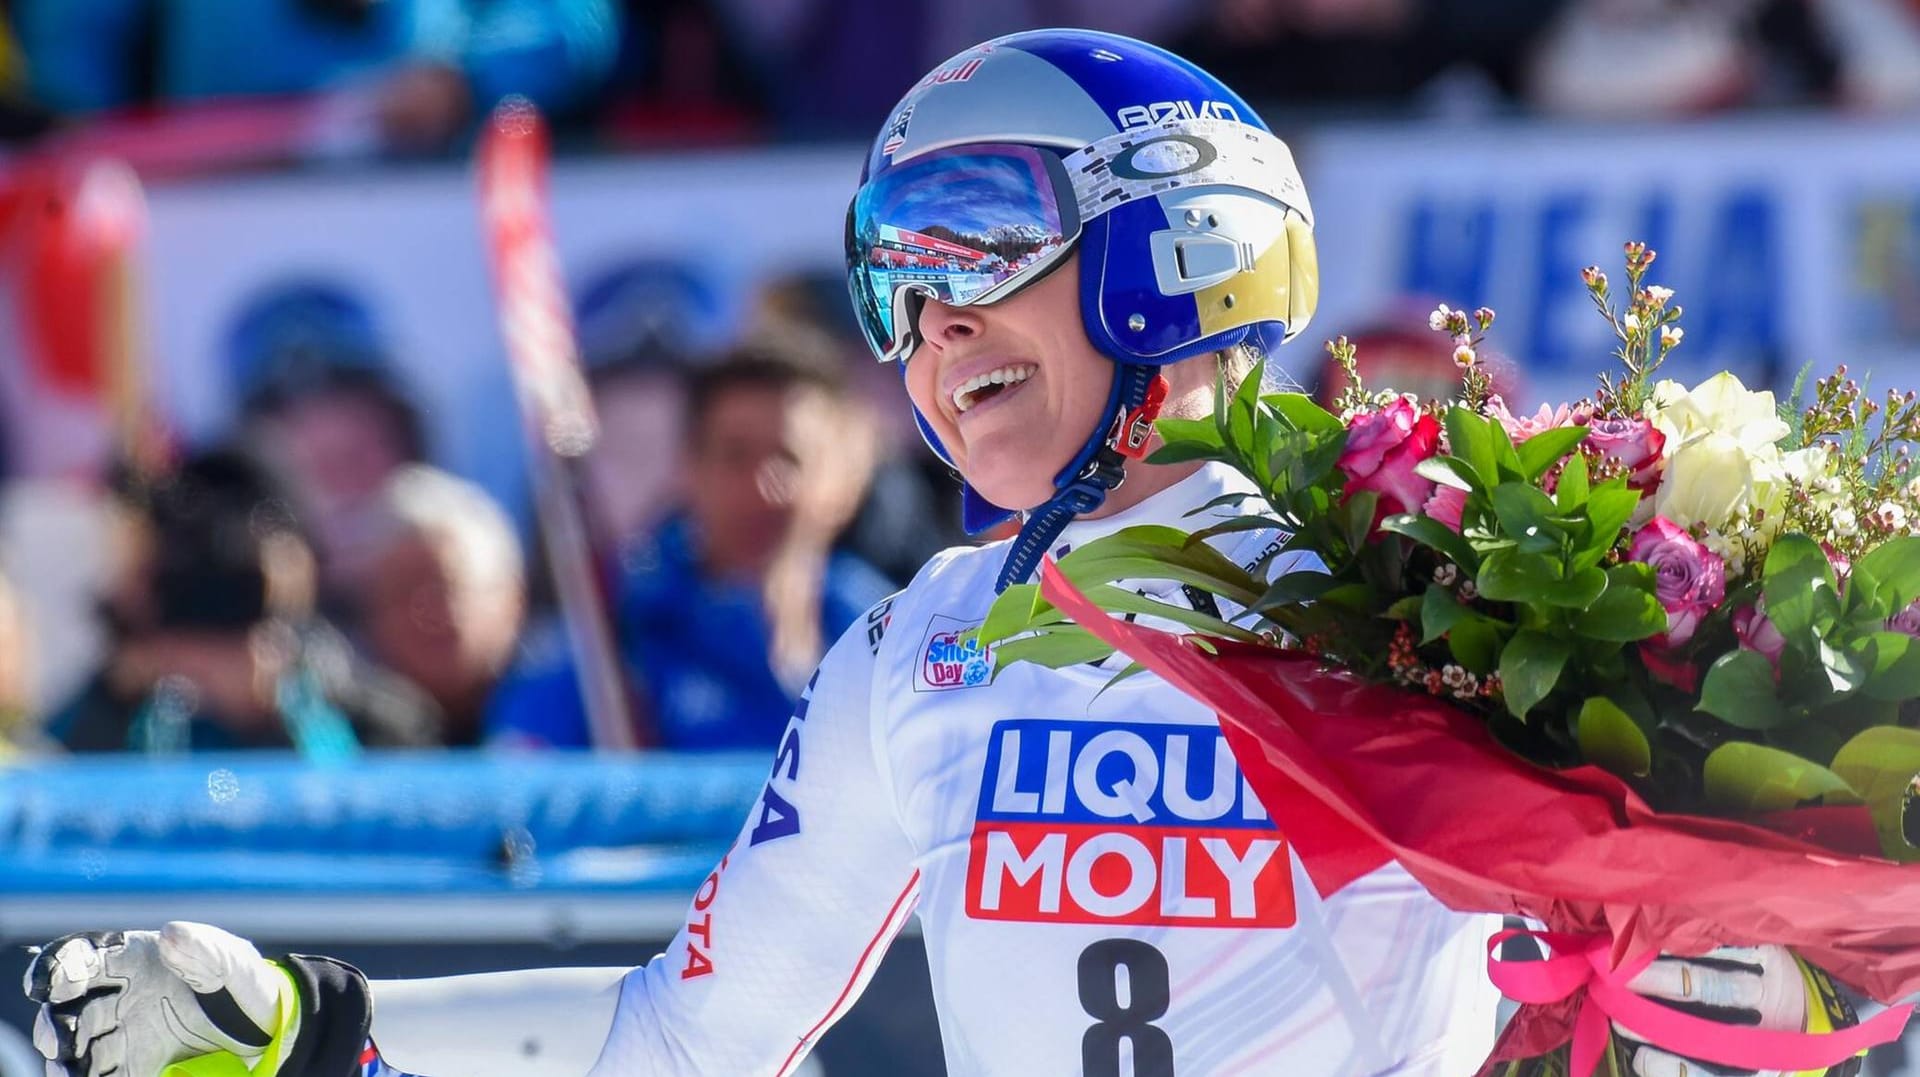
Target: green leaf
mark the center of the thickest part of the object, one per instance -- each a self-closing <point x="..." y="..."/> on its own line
<point x="1578" y="591"/>
<point x="1240" y="418"/>
<point x="1506" y="461"/>
<point x="1540" y="452"/>
<point x="1746" y="779"/>
<point x="1515" y="576"/>
<point x="1894" y="662"/>
<point x="1802" y="599"/>
<point x="1883" y="765"/>
<point x="1301" y="410"/>
<point x="1627" y="612"/>
<point x="1134" y="669"/>
<point x="1404" y="609"/>
<point x="1014" y="612"/>
<point x="1439" y="612"/>
<point x="1358" y="525"/>
<point x="1524" y="510"/>
<point x="1470" y="439"/>
<point x="1152" y="552"/>
<point x="1188" y="439"/>
<point x="1120" y="600"/>
<point x="1609" y="506"/>
<point x="1610" y="739"/>
<point x="1294" y="588"/>
<point x="1475" y="643"/>
<point x="1055" y="648"/>
<point x="1896" y="565"/>
<point x="1530" y="666"/>
<point x="1436" y="536"/>
<point x="1570" y="496"/>
<point x="1238" y="524"/>
<point x="1448" y="471"/>
<point x="1846" y="671"/>
<point x="1739" y="690"/>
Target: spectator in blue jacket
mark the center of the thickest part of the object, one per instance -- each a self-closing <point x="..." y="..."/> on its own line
<point x="727" y="606"/>
<point x="420" y="70"/>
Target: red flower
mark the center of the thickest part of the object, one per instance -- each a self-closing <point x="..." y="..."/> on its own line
<point x="1383" y="448"/>
<point x="1633" y="444"/>
<point x="1447" y="505"/>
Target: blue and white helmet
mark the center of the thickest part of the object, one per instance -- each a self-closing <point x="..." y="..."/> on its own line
<point x="1190" y="218"/>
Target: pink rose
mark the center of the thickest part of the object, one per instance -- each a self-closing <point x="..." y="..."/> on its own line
<point x="1907" y="620"/>
<point x="1670" y="668"/>
<point x="1841" y="565"/>
<point x="1521" y="427"/>
<point x="1688" y="579"/>
<point x="1630" y="443"/>
<point x="1383" y="448"/>
<point x="1757" y="633"/>
<point x="1447" y="505"/>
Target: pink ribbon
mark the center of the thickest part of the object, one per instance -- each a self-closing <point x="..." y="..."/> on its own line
<point x="1579" y="964"/>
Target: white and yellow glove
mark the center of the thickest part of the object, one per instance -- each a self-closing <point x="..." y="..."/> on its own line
<point x="192" y="1000"/>
<point x="1762" y="987"/>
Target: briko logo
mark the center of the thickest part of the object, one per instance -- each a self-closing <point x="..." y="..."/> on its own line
<point x="1159" y="112"/>
<point x="950" y="658"/>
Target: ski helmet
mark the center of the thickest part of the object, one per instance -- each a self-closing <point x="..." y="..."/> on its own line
<point x="1192" y="224"/>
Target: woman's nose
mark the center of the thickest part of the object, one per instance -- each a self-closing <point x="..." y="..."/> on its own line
<point x="941" y="324"/>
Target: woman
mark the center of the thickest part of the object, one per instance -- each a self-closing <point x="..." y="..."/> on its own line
<point x="1060" y="234"/>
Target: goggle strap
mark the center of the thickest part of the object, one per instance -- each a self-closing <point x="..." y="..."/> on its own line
<point x="1105" y="172"/>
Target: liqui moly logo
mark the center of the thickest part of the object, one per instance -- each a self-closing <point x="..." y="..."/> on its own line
<point x="950" y="658"/>
<point x="1088" y="823"/>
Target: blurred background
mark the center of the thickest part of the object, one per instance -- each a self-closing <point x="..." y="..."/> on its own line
<point x="279" y="642"/>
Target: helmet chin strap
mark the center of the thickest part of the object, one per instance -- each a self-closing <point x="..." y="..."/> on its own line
<point x="1142" y="392"/>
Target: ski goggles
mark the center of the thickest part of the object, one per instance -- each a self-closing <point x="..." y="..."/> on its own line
<point x="974" y="224"/>
<point x="968" y="225"/>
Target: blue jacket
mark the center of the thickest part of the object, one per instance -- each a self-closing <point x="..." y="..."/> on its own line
<point x="695" y="648"/>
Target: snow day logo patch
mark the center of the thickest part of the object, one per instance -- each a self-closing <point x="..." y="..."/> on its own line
<point x="949" y="660"/>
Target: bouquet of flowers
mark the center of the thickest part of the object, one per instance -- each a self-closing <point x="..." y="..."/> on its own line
<point x="1652" y="658"/>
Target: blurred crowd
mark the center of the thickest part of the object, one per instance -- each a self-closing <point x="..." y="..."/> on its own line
<point x="350" y="78"/>
<point x="316" y="581"/>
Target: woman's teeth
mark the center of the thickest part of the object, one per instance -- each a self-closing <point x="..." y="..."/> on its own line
<point x="971" y="391"/>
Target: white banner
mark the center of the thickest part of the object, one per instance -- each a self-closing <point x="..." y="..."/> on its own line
<point x="1788" y="241"/>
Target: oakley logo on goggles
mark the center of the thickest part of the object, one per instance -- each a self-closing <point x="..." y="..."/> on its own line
<point x="974" y="224"/>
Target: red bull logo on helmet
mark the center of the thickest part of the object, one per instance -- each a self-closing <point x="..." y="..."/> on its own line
<point x="1091" y="823"/>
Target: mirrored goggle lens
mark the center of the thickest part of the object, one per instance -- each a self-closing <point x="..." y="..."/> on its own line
<point x="966" y="225"/>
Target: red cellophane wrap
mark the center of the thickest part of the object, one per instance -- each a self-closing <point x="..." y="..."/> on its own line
<point x="1359" y="774"/>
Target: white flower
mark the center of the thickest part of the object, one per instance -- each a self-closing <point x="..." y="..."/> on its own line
<point x="1913" y="489"/>
<point x="1670" y="335"/>
<point x="1893" y="515"/>
<point x="1659" y="295"/>
<point x="1721" y="404"/>
<point x="1845" y="523"/>
<point x="1463" y="356"/>
<point x="1811" y="469"/>
<point x="1437" y="321"/>
<point x="1715" y="481"/>
<point x="1633" y="322"/>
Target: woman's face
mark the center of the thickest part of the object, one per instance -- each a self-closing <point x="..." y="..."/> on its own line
<point x="1013" y="389"/>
